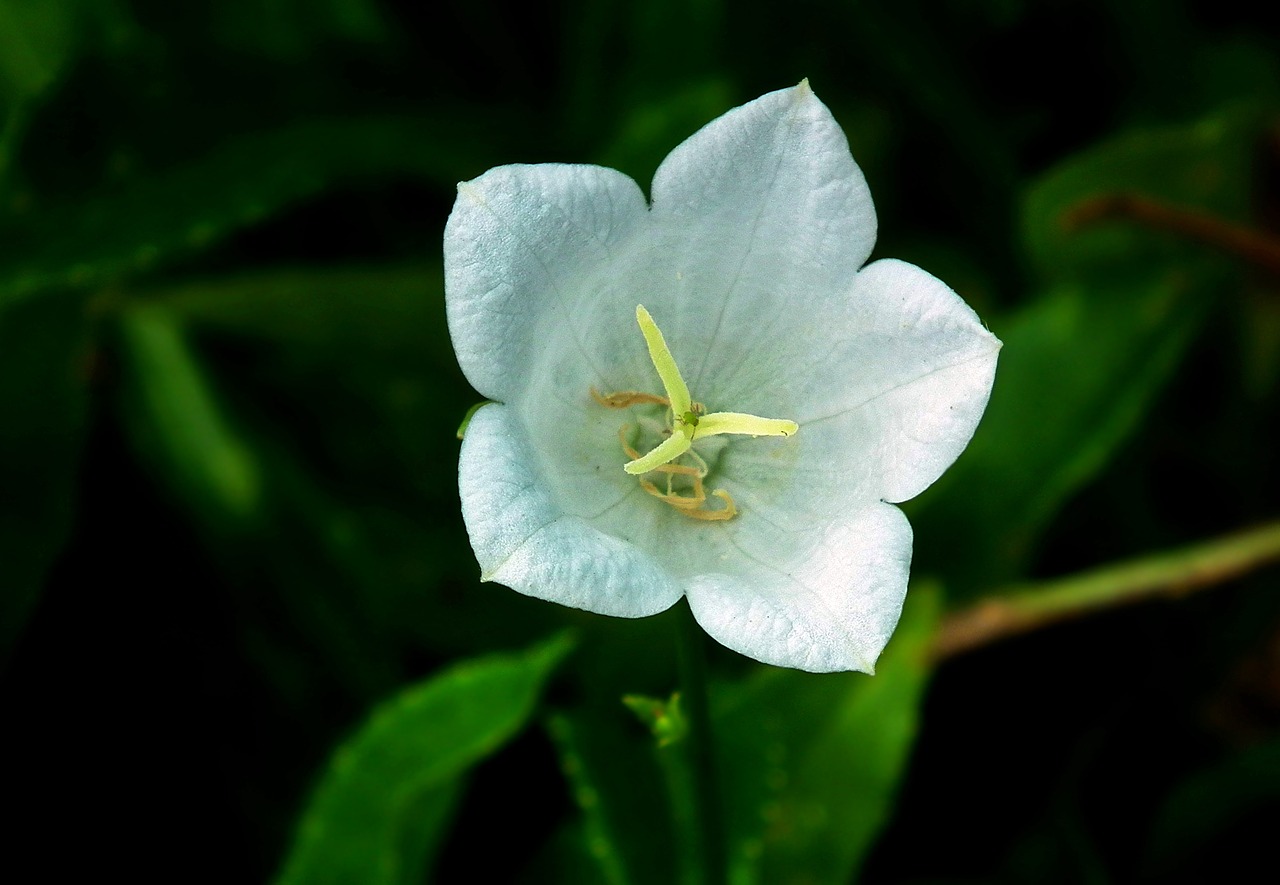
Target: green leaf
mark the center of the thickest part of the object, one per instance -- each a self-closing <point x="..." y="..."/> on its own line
<point x="254" y="503"/>
<point x="44" y="373"/>
<point x="389" y="312"/>
<point x="618" y="787"/>
<point x="651" y="128"/>
<point x="35" y="41"/>
<point x="1209" y="805"/>
<point x="565" y="857"/>
<point x="179" y="421"/>
<point x="146" y="220"/>
<point x="349" y="349"/>
<point x="1206" y="166"/>
<point x="811" y="763"/>
<point x="1079" y="371"/>
<point x="289" y="30"/>
<point x="352" y="347"/>
<point x="382" y="804"/>
<point x="37" y="38"/>
<point x="626" y="59"/>
<point x="1084" y="363"/>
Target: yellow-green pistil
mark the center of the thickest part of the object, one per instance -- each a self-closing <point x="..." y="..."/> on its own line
<point x="688" y="424"/>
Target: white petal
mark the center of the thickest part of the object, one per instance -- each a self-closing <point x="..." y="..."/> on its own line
<point x="749" y="262"/>
<point x="889" y="391"/>
<point x="762" y="214"/>
<point x="821" y="599"/>
<point x="523" y="537"/>
<point x="524" y="246"/>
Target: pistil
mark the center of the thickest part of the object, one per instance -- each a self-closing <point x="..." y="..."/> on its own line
<point x="687" y="422"/>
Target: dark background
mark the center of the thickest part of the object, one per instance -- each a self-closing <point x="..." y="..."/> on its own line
<point x="228" y="515"/>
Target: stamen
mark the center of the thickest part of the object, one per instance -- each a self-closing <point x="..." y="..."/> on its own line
<point x="625" y="399"/>
<point x="708" y="515"/>
<point x="691" y="505"/>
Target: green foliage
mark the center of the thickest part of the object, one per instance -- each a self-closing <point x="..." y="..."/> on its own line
<point x="45" y="367"/>
<point x="1079" y="370"/>
<point x="1209" y="804"/>
<point x="665" y="719"/>
<point x="1084" y="362"/>
<point x="35" y="43"/>
<point x="382" y="807"/>
<point x="188" y="433"/>
<point x="615" y="780"/>
<point x="290" y="29"/>
<point x="140" y="223"/>
<point x="811" y="764"/>
<point x="385" y="313"/>
<point x="1203" y="165"/>
<point x="220" y="280"/>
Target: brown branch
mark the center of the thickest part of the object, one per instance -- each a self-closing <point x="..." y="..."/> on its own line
<point x="1021" y="610"/>
<point x="1253" y="246"/>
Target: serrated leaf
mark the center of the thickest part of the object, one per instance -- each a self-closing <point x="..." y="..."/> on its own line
<point x="811" y="763"/>
<point x="396" y="774"/>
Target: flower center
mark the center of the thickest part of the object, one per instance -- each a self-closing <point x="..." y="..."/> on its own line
<point x="686" y="422"/>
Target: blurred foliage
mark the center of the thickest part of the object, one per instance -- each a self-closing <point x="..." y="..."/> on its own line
<point x="234" y="583"/>
<point x="44" y="364"/>
<point x="381" y="811"/>
<point x="812" y="764"/>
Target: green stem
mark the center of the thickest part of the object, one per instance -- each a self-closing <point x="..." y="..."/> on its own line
<point x="690" y="765"/>
<point x="1022" y="609"/>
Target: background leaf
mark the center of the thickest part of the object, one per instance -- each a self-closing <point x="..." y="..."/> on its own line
<point x="220" y="229"/>
<point x="1236" y="796"/>
<point x="811" y="764"/>
<point x="1078" y="372"/>
<point x="615" y="781"/>
<point x="184" y="424"/>
<point x="45" y="368"/>
<point x="1086" y="361"/>
<point x="139" y="222"/>
<point x="397" y="777"/>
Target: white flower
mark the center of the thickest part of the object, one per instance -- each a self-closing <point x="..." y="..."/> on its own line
<point x="749" y="256"/>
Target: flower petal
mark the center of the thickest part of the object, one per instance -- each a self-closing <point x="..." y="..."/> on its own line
<point x="523" y="538"/>
<point x="523" y="247"/>
<point x="761" y="213"/>
<point x="823" y="599"/>
<point x="888" y="391"/>
<point x="920" y="372"/>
